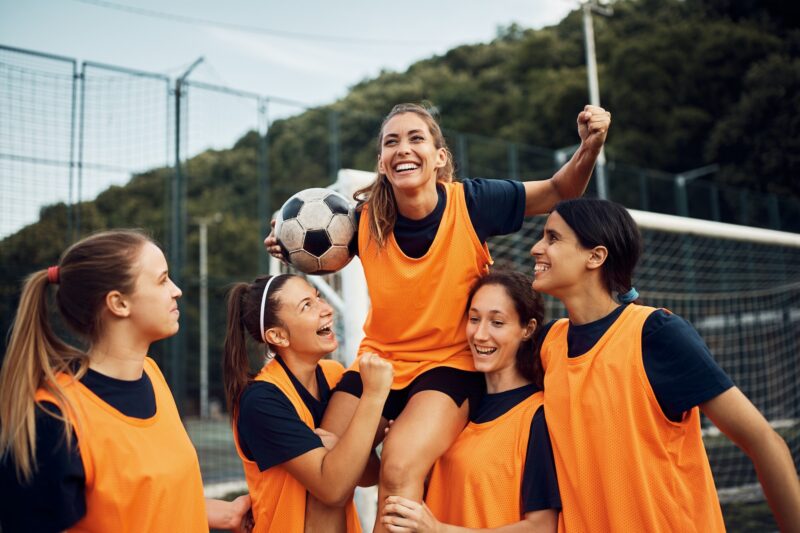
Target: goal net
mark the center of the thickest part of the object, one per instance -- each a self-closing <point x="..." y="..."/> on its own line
<point x="740" y="288"/>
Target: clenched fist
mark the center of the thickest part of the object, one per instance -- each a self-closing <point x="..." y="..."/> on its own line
<point x="593" y="124"/>
<point x="376" y="375"/>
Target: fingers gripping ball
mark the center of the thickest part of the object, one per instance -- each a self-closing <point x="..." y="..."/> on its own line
<point x="316" y="230"/>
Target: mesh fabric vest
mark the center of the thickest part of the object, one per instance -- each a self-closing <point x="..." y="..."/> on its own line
<point x="279" y="500"/>
<point x="477" y="483"/>
<point x="622" y="465"/>
<point x="141" y="474"/>
<point x="417" y="318"/>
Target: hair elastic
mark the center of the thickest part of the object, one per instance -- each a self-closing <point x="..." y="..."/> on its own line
<point x="52" y="274"/>
<point x="261" y="317"/>
<point x="629" y="296"/>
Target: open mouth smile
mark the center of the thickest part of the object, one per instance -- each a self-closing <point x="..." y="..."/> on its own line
<point x="484" y="351"/>
<point x="405" y="167"/>
<point x="326" y="330"/>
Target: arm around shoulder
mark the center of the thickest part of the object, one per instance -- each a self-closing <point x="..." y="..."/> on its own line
<point x="741" y="422"/>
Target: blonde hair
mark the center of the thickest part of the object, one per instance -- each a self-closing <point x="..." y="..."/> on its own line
<point x="88" y="271"/>
<point x="382" y="210"/>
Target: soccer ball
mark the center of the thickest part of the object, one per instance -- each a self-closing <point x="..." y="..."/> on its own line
<point x="316" y="231"/>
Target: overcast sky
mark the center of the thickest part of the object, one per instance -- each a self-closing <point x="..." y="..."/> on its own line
<point x="312" y="62"/>
<point x="306" y="51"/>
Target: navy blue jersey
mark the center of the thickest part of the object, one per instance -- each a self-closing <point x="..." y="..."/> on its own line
<point x="269" y="427"/>
<point x="678" y="363"/>
<point x="539" y="482"/>
<point x="496" y="207"/>
<point x="54" y="499"/>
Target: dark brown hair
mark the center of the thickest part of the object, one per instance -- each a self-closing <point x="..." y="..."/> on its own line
<point x="599" y="222"/>
<point x="244" y="315"/>
<point x="529" y="305"/>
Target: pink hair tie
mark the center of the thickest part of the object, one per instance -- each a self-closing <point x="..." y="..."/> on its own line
<point x="52" y="274"/>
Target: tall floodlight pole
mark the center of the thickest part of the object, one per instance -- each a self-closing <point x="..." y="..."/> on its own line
<point x="203" y="223"/>
<point x="594" y="86"/>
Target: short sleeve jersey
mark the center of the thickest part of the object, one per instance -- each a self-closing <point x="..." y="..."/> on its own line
<point x="679" y="365"/>
<point x="269" y="428"/>
<point x="507" y="201"/>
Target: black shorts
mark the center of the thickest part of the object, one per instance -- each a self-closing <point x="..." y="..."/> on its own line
<point x="460" y="385"/>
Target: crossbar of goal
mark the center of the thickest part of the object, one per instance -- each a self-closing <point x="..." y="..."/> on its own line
<point x="710" y="228"/>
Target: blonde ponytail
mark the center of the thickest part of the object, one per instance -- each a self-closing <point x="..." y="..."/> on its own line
<point x="34" y="357"/>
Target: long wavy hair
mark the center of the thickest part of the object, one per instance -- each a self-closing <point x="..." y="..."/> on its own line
<point x="382" y="211"/>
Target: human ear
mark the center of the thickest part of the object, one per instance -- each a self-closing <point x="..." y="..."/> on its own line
<point x="530" y="329"/>
<point x="441" y="158"/>
<point x="118" y="304"/>
<point x="597" y="256"/>
<point x="277" y="336"/>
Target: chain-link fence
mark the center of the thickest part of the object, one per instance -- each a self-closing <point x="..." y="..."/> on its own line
<point x="86" y="146"/>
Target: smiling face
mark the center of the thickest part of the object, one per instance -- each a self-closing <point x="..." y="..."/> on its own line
<point x="409" y="157"/>
<point x="494" y="331"/>
<point x="307" y="321"/>
<point x="561" y="261"/>
<point x="154" y="300"/>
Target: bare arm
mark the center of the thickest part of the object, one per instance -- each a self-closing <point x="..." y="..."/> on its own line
<point x="331" y="476"/>
<point x="227" y="515"/>
<point x="570" y="181"/>
<point x="739" y="419"/>
<point x="401" y="515"/>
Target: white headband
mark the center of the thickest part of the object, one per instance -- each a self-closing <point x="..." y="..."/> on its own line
<point x="263" y="305"/>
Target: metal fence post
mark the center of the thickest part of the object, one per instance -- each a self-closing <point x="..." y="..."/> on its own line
<point x="264" y="192"/>
<point x="715" y="210"/>
<point x="774" y="214"/>
<point x="334" y="155"/>
<point x="463" y="156"/>
<point x="178" y="246"/>
<point x="680" y="196"/>
<point x="644" y="193"/>
<point x="513" y="161"/>
<point x="81" y="131"/>
<point x="71" y="236"/>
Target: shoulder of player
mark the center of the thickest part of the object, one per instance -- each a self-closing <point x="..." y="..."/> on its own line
<point x="661" y="322"/>
<point x="259" y="394"/>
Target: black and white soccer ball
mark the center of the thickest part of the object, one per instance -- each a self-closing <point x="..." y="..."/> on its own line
<point x="316" y="231"/>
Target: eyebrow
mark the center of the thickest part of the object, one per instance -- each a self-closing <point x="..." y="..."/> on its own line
<point x="411" y="132"/>
<point x="552" y="232"/>
<point x="490" y="312"/>
<point x="301" y="302"/>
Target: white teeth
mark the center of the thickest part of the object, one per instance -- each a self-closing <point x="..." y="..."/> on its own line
<point x="485" y="351"/>
<point x="405" y="166"/>
<point x="541" y="268"/>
